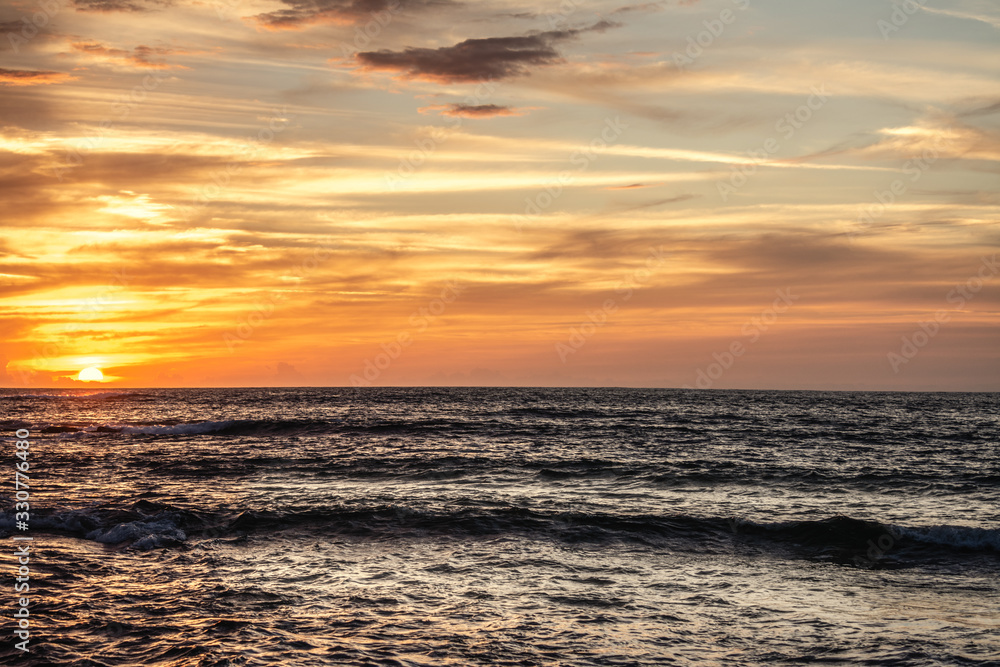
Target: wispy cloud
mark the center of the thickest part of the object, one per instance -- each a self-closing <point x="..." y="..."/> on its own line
<point x="989" y="19"/>
<point x="298" y="14"/>
<point x="21" y="77"/>
<point x="145" y="57"/>
<point x="285" y="151"/>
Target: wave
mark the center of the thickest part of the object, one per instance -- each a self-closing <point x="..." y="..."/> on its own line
<point x="113" y="394"/>
<point x="75" y="394"/>
<point x="839" y="539"/>
<point x="19" y="397"/>
<point x="235" y="451"/>
<point x="958" y="537"/>
<point x="228" y="427"/>
<point x="199" y="428"/>
<point x="560" y="413"/>
<point x="264" y="427"/>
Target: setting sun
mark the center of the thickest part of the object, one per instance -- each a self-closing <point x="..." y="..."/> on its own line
<point x="577" y="332"/>
<point x="91" y="374"/>
<point x="595" y="194"/>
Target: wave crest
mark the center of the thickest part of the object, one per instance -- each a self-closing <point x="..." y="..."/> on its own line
<point x="840" y="539"/>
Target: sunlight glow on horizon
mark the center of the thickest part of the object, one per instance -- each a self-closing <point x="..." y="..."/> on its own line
<point x="202" y="198"/>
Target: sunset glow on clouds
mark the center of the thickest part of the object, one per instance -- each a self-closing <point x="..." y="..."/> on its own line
<point x="226" y="192"/>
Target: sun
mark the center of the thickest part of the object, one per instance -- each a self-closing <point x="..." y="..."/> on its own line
<point x="91" y="374"/>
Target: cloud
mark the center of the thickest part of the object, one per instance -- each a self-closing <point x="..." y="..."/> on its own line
<point x="300" y="13"/>
<point x="993" y="20"/>
<point x="146" y="57"/>
<point x="984" y="110"/>
<point x="473" y="110"/>
<point x="23" y="77"/>
<point x="490" y="58"/>
<point x="632" y="186"/>
<point x="933" y="139"/>
<point x="644" y="7"/>
<point x="286" y="372"/>
<point x="119" y="5"/>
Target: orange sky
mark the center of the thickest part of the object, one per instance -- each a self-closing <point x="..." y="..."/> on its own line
<point x="724" y="194"/>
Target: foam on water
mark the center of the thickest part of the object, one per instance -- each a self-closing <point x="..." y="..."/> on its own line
<point x="511" y="527"/>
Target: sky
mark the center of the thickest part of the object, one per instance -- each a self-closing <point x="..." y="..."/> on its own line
<point x="691" y="193"/>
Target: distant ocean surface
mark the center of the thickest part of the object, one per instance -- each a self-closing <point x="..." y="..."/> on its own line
<point x="476" y="526"/>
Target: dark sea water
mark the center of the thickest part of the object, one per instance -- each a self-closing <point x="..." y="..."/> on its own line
<point x="506" y="527"/>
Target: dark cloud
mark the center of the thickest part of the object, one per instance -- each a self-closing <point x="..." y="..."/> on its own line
<point x="520" y="15"/>
<point x="304" y="12"/>
<point x="472" y="110"/>
<point x="490" y="58"/>
<point x="119" y="5"/>
<point x="143" y="56"/>
<point x="23" y="77"/>
<point x="655" y="6"/>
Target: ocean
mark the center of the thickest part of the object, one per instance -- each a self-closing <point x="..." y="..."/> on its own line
<point x="501" y="526"/>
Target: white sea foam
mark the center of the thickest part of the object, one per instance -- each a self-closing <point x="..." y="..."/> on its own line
<point x="147" y="534"/>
